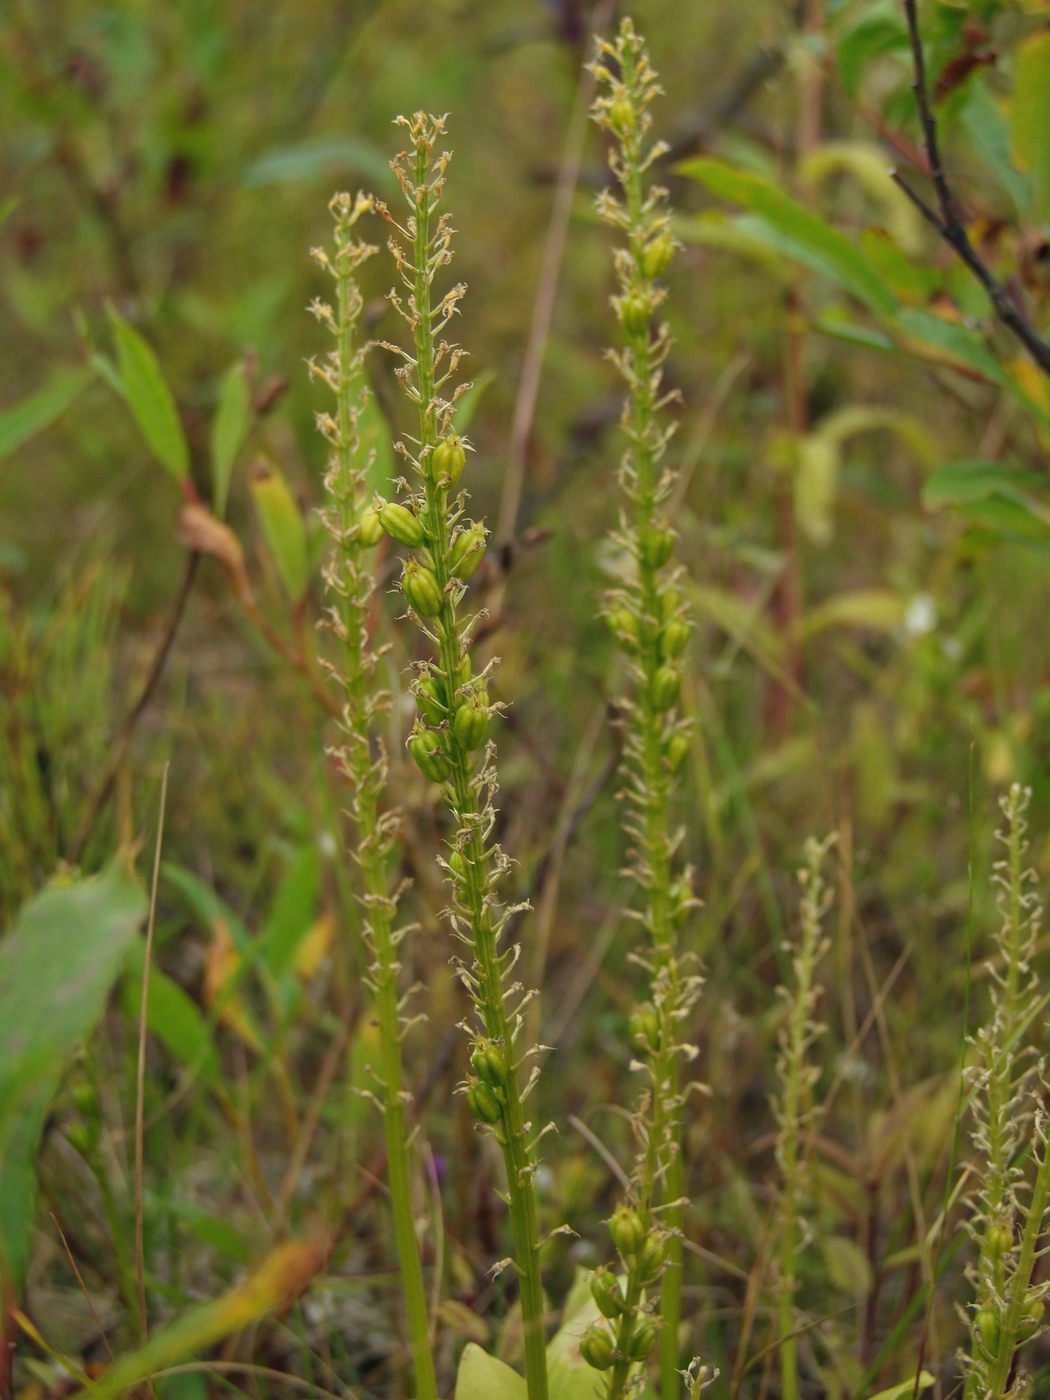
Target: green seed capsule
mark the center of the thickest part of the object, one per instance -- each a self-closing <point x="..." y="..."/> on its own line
<point x="483" y="1103"/>
<point x="489" y="1065"/>
<point x="677" y="751"/>
<point x="425" y="748"/>
<point x="988" y="1330"/>
<point x="669" y="602"/>
<point x="645" y="1026"/>
<point x="674" y="639"/>
<point x="457" y="863"/>
<point x="634" y="313"/>
<point x="624" y="626"/>
<point x="658" y="256"/>
<point x="1031" y="1317"/>
<point x="999" y="1239"/>
<point x="664" y="688"/>
<point x="596" y="1347"/>
<point x="369" y="529"/>
<point x="468" y="550"/>
<point x="605" y="1290"/>
<point x="448" y="459"/>
<point x="401" y="525"/>
<point x="642" y="1341"/>
<point x="429" y="698"/>
<point x="627" y="1230"/>
<point x="421" y="589"/>
<point x="656" y="547"/>
<point x="651" y="1260"/>
<point x="471" y="725"/>
<point x="621" y="114"/>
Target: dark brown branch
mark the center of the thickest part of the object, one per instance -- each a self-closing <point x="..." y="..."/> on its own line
<point x="948" y="222"/>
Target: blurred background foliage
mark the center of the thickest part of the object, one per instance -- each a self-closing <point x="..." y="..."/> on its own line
<point x="866" y="527"/>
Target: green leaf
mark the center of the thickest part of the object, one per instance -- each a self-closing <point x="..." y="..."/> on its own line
<point x="959" y="483"/>
<point x="172" y="1015"/>
<point x="1008" y="519"/>
<point x="485" y="1377"/>
<point x="228" y="430"/>
<point x="323" y="158"/>
<point x="898" y="1392"/>
<point x="983" y="121"/>
<point x="1030" y="117"/>
<point x="292" y="913"/>
<point x="206" y="904"/>
<point x="878" y="608"/>
<point x="39" y="411"/>
<point x="789" y="218"/>
<point x="219" y="1233"/>
<point x="150" y="399"/>
<point x="282" y="527"/>
<point x="953" y="342"/>
<point x="910" y="282"/>
<point x="835" y="324"/>
<point x="56" y="968"/>
<point x="873" y="37"/>
<point x="8" y="207"/>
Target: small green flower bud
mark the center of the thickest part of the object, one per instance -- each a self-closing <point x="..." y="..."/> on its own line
<point x="421" y="589"/>
<point x="621" y="114"/>
<point x="624" y="626"/>
<point x="425" y="748"/>
<point x="988" y="1330"/>
<point x="471" y="724"/>
<point x="643" y="1339"/>
<point x="999" y="1239"/>
<point x="448" y="459"/>
<point x="645" y="1026"/>
<point x="669" y="601"/>
<point x="658" y="256"/>
<point x="596" y="1347"/>
<point x="674" y="639"/>
<point x="401" y="525"/>
<point x="468" y="549"/>
<point x="634" y="313"/>
<point x="627" y="1230"/>
<point x="677" y="751"/>
<point x="651" y="1260"/>
<point x="1031" y="1316"/>
<point x="369" y="529"/>
<point x="457" y="863"/>
<point x="489" y="1064"/>
<point x="664" y="688"/>
<point x="483" y="1103"/>
<point x="430" y="699"/>
<point x="605" y="1290"/>
<point x="681" y="897"/>
<point x="656" y="547"/>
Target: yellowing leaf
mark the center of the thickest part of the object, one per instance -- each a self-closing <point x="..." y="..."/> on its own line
<point x="282" y="527"/>
<point x="314" y="947"/>
<point x="878" y="608"/>
<point x="220" y="964"/>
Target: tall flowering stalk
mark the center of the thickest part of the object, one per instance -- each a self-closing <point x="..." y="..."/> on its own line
<point x="650" y="624"/>
<point x="1011" y="1211"/>
<point x="794" y="1109"/>
<point x="449" y="741"/>
<point x="355" y="531"/>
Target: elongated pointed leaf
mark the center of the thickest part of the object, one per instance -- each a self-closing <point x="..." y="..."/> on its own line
<point x="485" y="1377"/>
<point x="39" y="411"/>
<point x="898" y="1392"/>
<point x="989" y="130"/>
<point x="789" y="218"/>
<point x="282" y="526"/>
<point x="292" y="913"/>
<point x="172" y="1016"/>
<point x="957" y="483"/>
<point x="56" y="968"/>
<point x="150" y="399"/>
<point x="1030" y="117"/>
<point x="228" y="430"/>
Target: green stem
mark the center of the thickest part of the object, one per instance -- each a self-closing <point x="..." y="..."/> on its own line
<point x="1012" y="1322"/>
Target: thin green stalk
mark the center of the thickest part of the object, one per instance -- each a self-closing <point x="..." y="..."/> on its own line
<point x="355" y="530"/>
<point x="794" y="1112"/>
<point x="650" y="624"/>
<point x="455" y="708"/>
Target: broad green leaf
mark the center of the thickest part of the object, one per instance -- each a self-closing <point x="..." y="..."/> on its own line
<point x="877" y="608"/>
<point x="287" y="1271"/>
<point x="320" y="159"/>
<point x="789" y="218"/>
<point x="282" y="526"/>
<point x="206" y="904"/>
<point x="832" y="322"/>
<point x="868" y="165"/>
<point x="39" y="411"/>
<point x="228" y="430"/>
<point x="150" y="399"/>
<point x="908" y="1387"/>
<point x="740" y="235"/>
<point x="958" y="483"/>
<point x="569" y="1376"/>
<point x="292" y="913"/>
<point x="1030" y="117"/>
<point x="485" y="1377"/>
<point x="56" y="968"/>
<point x="952" y="342"/>
<point x="468" y="404"/>
<point x="172" y="1015"/>
<point x="984" y="122"/>
<point x="907" y="279"/>
<point x="1008" y="519"/>
<point x="875" y="36"/>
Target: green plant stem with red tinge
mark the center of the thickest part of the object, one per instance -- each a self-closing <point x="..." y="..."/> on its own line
<point x="367" y="777"/>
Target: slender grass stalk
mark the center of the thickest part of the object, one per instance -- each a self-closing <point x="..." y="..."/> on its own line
<point x="1009" y="1216"/>
<point x="794" y="1109"/>
<point x="449" y="741"/>
<point x="650" y="624"/>
<point x="355" y="531"/>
